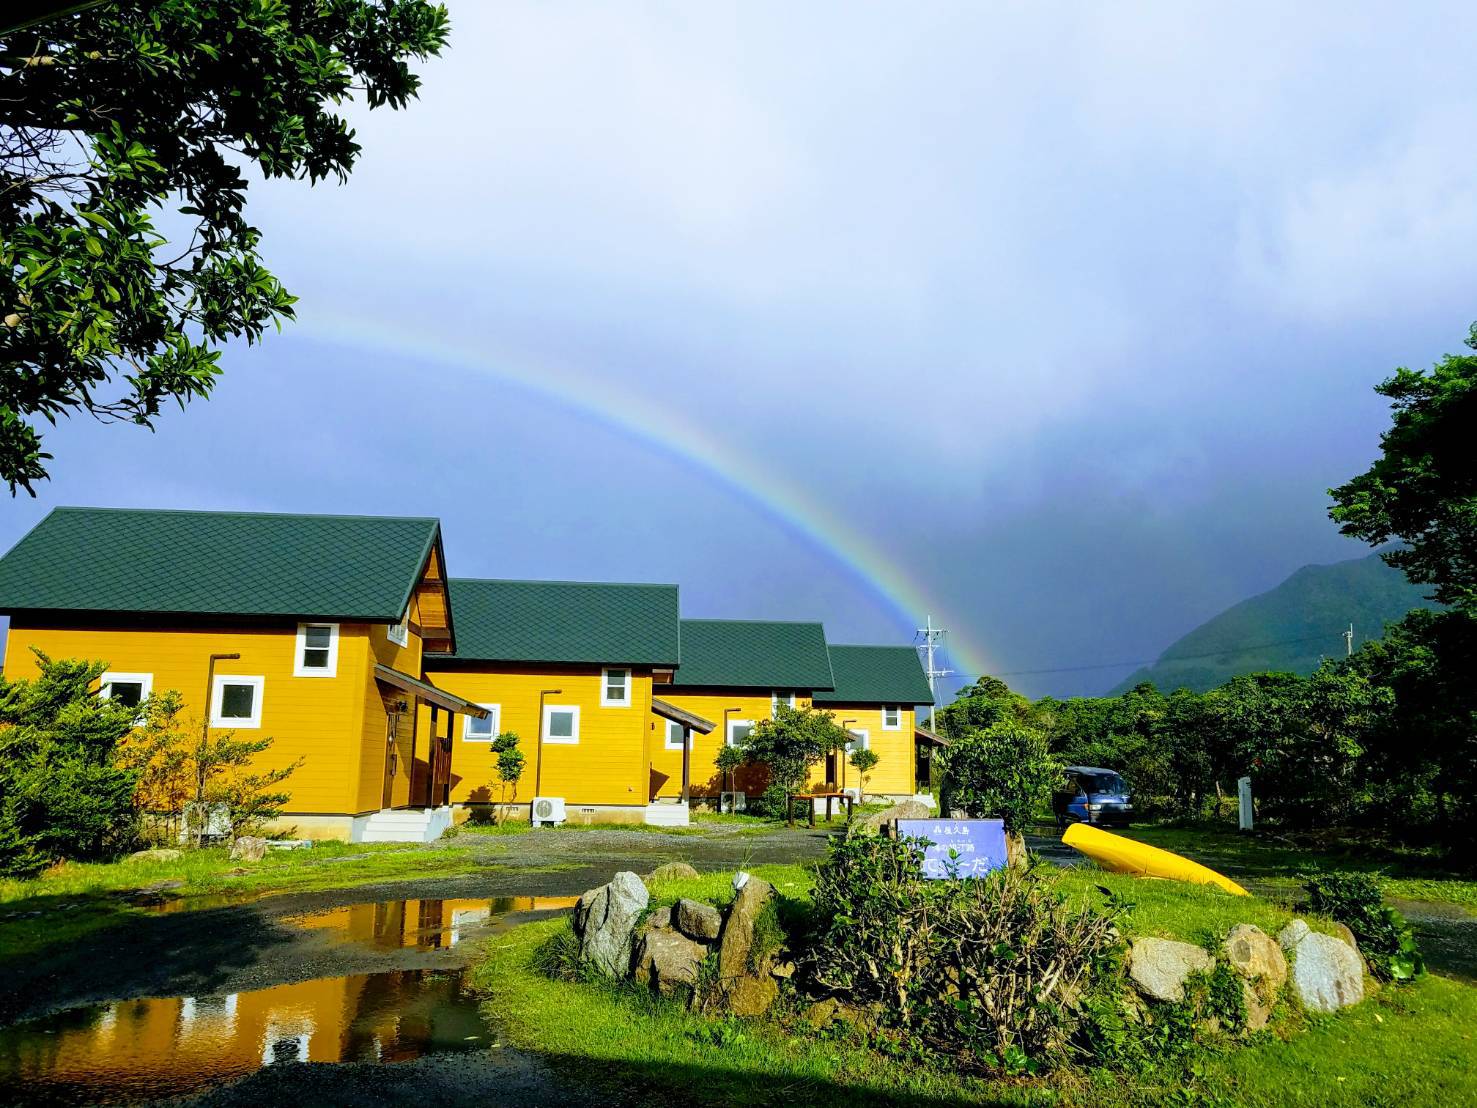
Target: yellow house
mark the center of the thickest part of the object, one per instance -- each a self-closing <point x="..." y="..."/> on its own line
<point x="568" y="667"/>
<point x="734" y="673"/>
<point x="877" y="690"/>
<point x="306" y="629"/>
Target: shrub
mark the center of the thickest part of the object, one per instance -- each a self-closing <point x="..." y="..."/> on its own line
<point x="990" y="971"/>
<point x="1385" y="939"/>
<point x="771" y="803"/>
<point x="792" y="743"/>
<point x="1005" y="771"/>
<point x="510" y="760"/>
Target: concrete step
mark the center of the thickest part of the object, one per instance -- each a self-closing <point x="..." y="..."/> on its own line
<point x="667" y="815"/>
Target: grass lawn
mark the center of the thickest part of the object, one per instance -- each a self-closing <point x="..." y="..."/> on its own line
<point x="1407" y="1045"/>
<point x="74" y="898"/>
<point x="703" y="823"/>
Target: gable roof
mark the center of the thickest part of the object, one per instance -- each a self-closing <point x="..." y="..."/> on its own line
<point x="218" y="563"/>
<point x="761" y="654"/>
<point x="876" y="675"/>
<point x="564" y="621"/>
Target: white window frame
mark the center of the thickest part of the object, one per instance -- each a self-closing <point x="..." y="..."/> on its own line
<point x="667" y="740"/>
<point x="605" y="701"/>
<point x="399" y="633"/>
<point x="860" y="736"/>
<point x="774" y="702"/>
<point x="495" y="718"/>
<point x="146" y="680"/>
<point x="331" y="669"/>
<point x="559" y="740"/>
<point x="217" y="692"/>
<point x="732" y="724"/>
<point x="898" y="708"/>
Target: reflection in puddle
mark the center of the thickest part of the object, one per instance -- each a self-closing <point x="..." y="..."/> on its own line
<point x="144" y="1049"/>
<point x="436" y="924"/>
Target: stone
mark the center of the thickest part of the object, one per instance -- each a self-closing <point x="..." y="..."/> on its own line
<point x="672" y="871"/>
<point x="1254" y="955"/>
<point x="751" y="996"/>
<point x="248" y="848"/>
<point x="736" y="941"/>
<point x="1159" y="966"/>
<point x="158" y="854"/>
<point x="1258" y="1004"/>
<point x="1327" y="973"/>
<point x="605" y="922"/>
<point x="1343" y="932"/>
<point x="907" y="809"/>
<point x="668" y="962"/>
<point x="782" y="970"/>
<point x="697" y="920"/>
<point x="659" y="920"/>
<point x="823" y="1012"/>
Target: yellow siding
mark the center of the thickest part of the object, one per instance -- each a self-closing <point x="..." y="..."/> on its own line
<point x="894" y="749"/>
<point x="608" y="766"/>
<point x="320" y="719"/>
<point x="710" y="704"/>
<point x="381" y="711"/>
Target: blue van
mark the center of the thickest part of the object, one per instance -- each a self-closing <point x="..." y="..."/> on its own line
<point x="1092" y="795"/>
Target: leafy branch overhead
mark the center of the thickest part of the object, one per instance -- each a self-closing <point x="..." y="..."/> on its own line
<point x="127" y="134"/>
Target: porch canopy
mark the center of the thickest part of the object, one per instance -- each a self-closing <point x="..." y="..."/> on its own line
<point x="438" y="698"/>
<point x="924" y="735"/>
<point x="689" y="722"/>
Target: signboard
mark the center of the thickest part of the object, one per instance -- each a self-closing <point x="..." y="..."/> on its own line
<point x="957" y="847"/>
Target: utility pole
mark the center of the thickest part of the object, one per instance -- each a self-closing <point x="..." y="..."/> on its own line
<point x="931" y="637"/>
<point x="1349" y="641"/>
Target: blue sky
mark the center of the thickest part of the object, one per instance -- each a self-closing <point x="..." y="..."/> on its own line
<point x="1064" y="318"/>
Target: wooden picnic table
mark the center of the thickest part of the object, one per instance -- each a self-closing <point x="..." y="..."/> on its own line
<point x="811" y="798"/>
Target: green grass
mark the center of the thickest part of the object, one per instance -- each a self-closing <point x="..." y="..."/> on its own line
<point x="75" y="898"/>
<point x="1410" y="1045"/>
<point x="703" y="823"/>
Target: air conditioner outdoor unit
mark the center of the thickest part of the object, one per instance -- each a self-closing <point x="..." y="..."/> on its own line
<point x="548" y="809"/>
<point x="732" y="802"/>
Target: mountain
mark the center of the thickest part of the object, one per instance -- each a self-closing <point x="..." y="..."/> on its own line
<point x="1288" y="628"/>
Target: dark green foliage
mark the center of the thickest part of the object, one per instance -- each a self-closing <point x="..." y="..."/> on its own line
<point x="990" y="972"/>
<point x="792" y="743"/>
<point x="1004" y="771"/>
<point x="1385" y="939"/>
<point x="510" y="760"/>
<point x="134" y="109"/>
<point x="772" y="803"/>
<point x="1423" y="488"/>
<point x="61" y="793"/>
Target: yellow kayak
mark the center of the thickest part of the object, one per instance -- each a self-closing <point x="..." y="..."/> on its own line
<point x="1119" y="855"/>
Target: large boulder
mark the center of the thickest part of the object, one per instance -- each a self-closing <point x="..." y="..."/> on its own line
<point x="697" y="920"/>
<point x="1262" y="966"/>
<point x="1159" y="966"/>
<point x="736" y="942"/>
<point x="672" y="871"/>
<point x="248" y="848"/>
<point x="1327" y="973"/>
<point x="873" y="824"/>
<point x="605" y="920"/>
<point x="751" y="996"/>
<point x="157" y="854"/>
<point x="668" y="962"/>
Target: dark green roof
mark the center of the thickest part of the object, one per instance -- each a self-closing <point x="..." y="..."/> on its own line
<point x="876" y="675"/>
<point x="217" y="563"/>
<point x="761" y="654"/>
<point x="565" y="621"/>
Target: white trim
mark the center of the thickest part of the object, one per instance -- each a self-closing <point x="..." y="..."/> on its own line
<point x="860" y="734"/>
<point x="399" y="633"/>
<point x="299" y="669"/>
<point x="605" y="701"/>
<point x="549" y="710"/>
<point x="144" y="680"/>
<point x="667" y="739"/>
<point x="774" y="702"/>
<point x="898" y="708"/>
<point x="495" y="718"/>
<point x="733" y="723"/>
<point x="221" y="681"/>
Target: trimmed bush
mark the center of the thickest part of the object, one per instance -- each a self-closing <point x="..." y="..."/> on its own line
<point x="1385" y="939"/>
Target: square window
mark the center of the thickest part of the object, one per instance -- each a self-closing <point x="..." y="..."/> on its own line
<point x="476" y="730"/>
<point x="399" y="633"/>
<point x="237" y="701"/>
<point x="615" y="688"/>
<point x="317" y="650"/>
<point x="858" y="739"/>
<point x="561" y="724"/>
<point x="128" y="689"/>
<point x="674" y="735"/>
<point x="892" y="718"/>
<point x="738" y="731"/>
<point x="778" y="698"/>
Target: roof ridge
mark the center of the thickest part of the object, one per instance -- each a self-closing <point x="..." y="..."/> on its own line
<point x="244" y="514"/>
<point x="542" y="581"/>
<point x="783" y="622"/>
<point x="869" y="646"/>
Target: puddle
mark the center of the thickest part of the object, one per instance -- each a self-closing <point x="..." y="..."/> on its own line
<point x="431" y="924"/>
<point x="133" y="1050"/>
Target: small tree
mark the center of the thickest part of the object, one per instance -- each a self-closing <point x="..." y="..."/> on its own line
<point x="792" y="743"/>
<point x="728" y="761"/>
<point x="864" y="761"/>
<point x="510" y="762"/>
<point x="158" y="751"/>
<point x="223" y="781"/>
<point x="1004" y="771"/>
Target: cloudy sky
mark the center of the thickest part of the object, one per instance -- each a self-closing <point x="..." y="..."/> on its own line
<point x="1052" y="321"/>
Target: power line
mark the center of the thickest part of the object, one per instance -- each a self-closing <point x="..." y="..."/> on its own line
<point x="1175" y="658"/>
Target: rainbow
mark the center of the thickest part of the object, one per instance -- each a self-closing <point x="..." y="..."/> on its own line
<point x="634" y="415"/>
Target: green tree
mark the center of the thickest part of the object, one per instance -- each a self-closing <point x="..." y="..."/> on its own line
<point x="510" y="761"/>
<point x="158" y="753"/>
<point x="112" y="116"/>
<point x="981" y="704"/>
<point x="864" y="761"/>
<point x="792" y="743"/>
<point x="1422" y="490"/>
<point x="61" y="793"/>
<point x="1005" y="771"/>
<point x="227" y="781"/>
